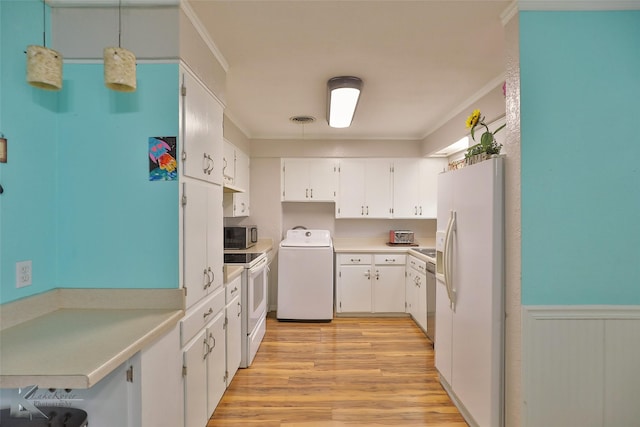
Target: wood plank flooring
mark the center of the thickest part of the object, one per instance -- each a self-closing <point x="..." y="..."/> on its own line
<point x="350" y="372"/>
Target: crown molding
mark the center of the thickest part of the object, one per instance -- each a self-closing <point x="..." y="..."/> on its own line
<point x="509" y="13"/>
<point x="112" y="3"/>
<point x="492" y="84"/>
<point x="193" y="17"/>
<point x="568" y="5"/>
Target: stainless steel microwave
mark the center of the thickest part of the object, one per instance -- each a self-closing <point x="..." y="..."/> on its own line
<point x="240" y="237"/>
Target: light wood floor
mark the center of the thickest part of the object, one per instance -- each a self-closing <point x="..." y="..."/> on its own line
<point x="356" y="371"/>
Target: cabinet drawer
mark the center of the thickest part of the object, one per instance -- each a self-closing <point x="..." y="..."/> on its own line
<point x="198" y="316"/>
<point x="233" y="289"/>
<point x="390" y="259"/>
<point x="418" y="264"/>
<point x="354" y="259"/>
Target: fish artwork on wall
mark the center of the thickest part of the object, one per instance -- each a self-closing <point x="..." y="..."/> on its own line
<point x="162" y="158"/>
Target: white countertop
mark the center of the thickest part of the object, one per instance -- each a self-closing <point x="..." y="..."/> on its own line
<point x="380" y="245"/>
<point x="72" y="338"/>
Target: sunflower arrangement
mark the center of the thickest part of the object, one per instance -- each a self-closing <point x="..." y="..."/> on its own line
<point x="488" y="142"/>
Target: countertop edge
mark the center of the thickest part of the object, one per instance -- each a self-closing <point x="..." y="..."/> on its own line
<point x="89" y="379"/>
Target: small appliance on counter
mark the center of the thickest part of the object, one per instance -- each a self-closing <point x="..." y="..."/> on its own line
<point x="55" y="417"/>
<point x="240" y="237"/>
<point x="401" y="237"/>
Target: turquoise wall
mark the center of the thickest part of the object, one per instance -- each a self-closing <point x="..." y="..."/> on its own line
<point x="28" y="121"/>
<point x="580" y="86"/>
<point x="78" y="201"/>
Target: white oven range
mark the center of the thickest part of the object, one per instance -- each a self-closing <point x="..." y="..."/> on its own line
<point x="254" y="300"/>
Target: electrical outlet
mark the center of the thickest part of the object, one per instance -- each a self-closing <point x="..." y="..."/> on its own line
<point x="23" y="273"/>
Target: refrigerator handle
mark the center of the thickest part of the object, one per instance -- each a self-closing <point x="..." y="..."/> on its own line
<point x="448" y="258"/>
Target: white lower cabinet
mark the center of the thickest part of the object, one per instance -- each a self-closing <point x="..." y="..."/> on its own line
<point x="204" y="358"/>
<point x="416" y="291"/>
<point x="367" y="283"/>
<point x="233" y="312"/>
<point x="144" y="391"/>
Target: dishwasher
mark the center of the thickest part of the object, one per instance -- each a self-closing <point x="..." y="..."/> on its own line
<point x="431" y="301"/>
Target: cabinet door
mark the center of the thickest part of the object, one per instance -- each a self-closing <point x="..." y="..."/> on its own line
<point x="429" y="171"/>
<point x="201" y="131"/>
<point x="421" y="303"/>
<point x="161" y="383"/>
<point x="229" y="163"/>
<point x="406" y="188"/>
<point x="351" y="189"/>
<point x="388" y="289"/>
<point x="234" y="336"/>
<point x="354" y="288"/>
<point x="195" y="381"/>
<point x="378" y="188"/>
<point x="323" y="180"/>
<point x="409" y="289"/>
<point x="295" y="180"/>
<point x="216" y="362"/>
<point x="215" y="236"/>
<point x="243" y="173"/>
<point x="196" y="276"/>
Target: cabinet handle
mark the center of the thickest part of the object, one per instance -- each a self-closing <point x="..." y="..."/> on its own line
<point x="211" y="337"/>
<point x="208" y="313"/>
<point x="415" y="210"/>
<point x="362" y="210"/>
<point x="205" y="163"/>
<point x="208" y="281"/>
<point x="206" y="348"/>
<point x="389" y="260"/>
<point x="306" y="193"/>
<point x="355" y="259"/>
<point x="368" y="274"/>
<point x="212" y="165"/>
<point x="420" y="210"/>
<point x="239" y="309"/>
<point x="311" y="192"/>
<point x="367" y="210"/>
<point x="377" y="275"/>
<point x="235" y="289"/>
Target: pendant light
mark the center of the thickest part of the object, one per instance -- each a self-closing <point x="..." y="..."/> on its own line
<point x="119" y="63"/>
<point x="44" y="65"/>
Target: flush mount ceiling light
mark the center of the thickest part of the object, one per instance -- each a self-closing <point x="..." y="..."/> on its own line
<point x="119" y="64"/>
<point x="342" y="99"/>
<point x="44" y="65"/>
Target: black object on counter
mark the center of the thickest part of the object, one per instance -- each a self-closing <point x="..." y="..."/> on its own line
<point x="57" y="417"/>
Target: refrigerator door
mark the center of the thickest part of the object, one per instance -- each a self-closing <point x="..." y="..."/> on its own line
<point x="476" y="282"/>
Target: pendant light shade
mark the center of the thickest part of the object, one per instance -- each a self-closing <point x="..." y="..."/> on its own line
<point x="44" y="68"/>
<point x="119" y="69"/>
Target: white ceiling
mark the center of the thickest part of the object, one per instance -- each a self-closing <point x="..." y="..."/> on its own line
<point x="419" y="60"/>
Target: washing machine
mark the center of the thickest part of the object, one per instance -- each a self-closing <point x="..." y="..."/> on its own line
<point x="305" y="276"/>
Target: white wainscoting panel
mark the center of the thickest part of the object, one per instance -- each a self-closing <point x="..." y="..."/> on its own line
<point x="622" y="367"/>
<point x="581" y="366"/>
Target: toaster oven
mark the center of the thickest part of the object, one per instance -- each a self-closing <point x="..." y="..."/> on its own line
<point x="398" y="237"/>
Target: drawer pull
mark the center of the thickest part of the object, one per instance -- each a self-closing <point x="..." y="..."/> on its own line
<point x="208" y="313"/>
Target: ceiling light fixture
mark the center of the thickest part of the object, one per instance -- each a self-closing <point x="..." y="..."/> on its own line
<point x="342" y="99"/>
<point x="119" y="63"/>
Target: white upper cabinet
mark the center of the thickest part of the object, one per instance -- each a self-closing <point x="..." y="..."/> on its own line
<point x="237" y="195"/>
<point x="415" y="187"/>
<point x="364" y="189"/>
<point x="309" y="180"/>
<point x="229" y="163"/>
<point x="201" y="130"/>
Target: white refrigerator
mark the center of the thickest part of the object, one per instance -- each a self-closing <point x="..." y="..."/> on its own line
<point x="469" y="345"/>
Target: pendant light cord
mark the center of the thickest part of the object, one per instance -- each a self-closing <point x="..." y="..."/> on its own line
<point x="119" y="23"/>
<point x="44" y="24"/>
